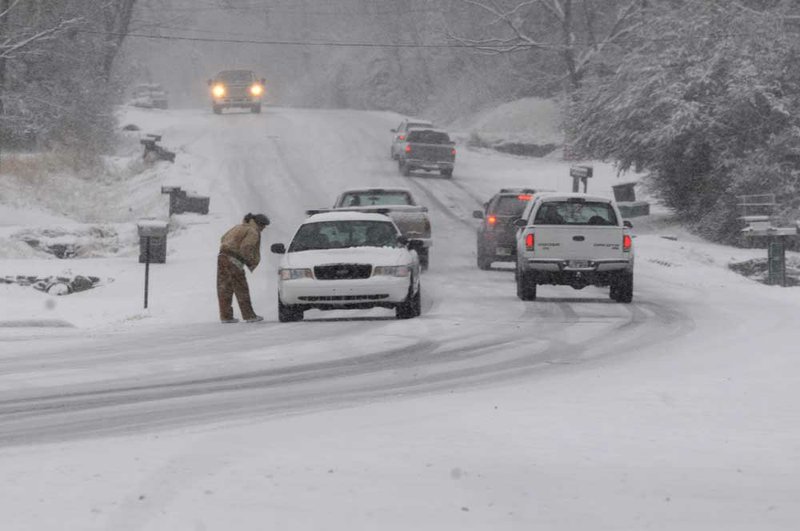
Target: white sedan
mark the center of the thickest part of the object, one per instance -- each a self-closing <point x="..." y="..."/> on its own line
<point x="348" y="260"/>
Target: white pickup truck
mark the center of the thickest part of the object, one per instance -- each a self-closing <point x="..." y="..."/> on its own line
<point x="574" y="240"/>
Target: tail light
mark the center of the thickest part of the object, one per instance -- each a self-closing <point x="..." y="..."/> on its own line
<point x="524" y="197"/>
<point x="491" y="220"/>
<point x="626" y="242"/>
<point x="529" y="241"/>
<point x="401" y="137"/>
<point x="408" y="148"/>
<point x="453" y="152"/>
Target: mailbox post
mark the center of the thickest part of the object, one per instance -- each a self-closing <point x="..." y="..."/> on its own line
<point x="580" y="174"/>
<point x="152" y="247"/>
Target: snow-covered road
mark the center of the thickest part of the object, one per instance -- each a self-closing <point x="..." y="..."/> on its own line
<point x="592" y="373"/>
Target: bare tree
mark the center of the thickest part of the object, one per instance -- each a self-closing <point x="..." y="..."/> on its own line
<point x="579" y="30"/>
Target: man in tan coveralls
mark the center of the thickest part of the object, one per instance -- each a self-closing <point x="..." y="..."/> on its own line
<point x="239" y="247"/>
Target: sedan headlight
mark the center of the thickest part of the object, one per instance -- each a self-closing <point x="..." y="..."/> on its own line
<point x="294" y="274"/>
<point x="392" y="271"/>
<point x="218" y="91"/>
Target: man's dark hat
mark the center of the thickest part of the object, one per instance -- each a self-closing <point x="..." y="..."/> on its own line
<point x="261" y="219"/>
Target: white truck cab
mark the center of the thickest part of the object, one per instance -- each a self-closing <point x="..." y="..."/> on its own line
<point x="574" y="240"/>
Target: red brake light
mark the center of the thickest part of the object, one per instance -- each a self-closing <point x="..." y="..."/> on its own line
<point x="524" y="197"/>
<point x="626" y="242"/>
<point x="453" y="152"/>
<point x="529" y="241"/>
<point x="491" y="220"/>
<point x="408" y="148"/>
<point x="401" y="137"/>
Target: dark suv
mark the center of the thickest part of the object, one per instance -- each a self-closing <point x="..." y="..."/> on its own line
<point x="497" y="234"/>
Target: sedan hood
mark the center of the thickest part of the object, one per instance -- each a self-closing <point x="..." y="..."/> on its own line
<point x="377" y="256"/>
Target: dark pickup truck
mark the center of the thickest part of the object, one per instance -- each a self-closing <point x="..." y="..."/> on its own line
<point x="429" y="150"/>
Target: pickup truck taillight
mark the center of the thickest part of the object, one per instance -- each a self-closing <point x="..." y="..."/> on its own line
<point x="453" y="152"/>
<point x="401" y="137"/>
<point x="408" y="148"/>
<point x="626" y="243"/>
<point x="529" y="240"/>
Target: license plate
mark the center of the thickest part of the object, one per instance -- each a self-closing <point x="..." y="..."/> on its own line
<point x="578" y="264"/>
<point x="503" y="251"/>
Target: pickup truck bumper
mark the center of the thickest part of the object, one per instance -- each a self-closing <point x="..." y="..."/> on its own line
<point x="429" y="165"/>
<point x="236" y="102"/>
<point x="577" y="273"/>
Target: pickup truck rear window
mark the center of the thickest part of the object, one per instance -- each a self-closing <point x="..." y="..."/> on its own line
<point x="428" y="137"/>
<point x="569" y="213"/>
<point x="356" y="199"/>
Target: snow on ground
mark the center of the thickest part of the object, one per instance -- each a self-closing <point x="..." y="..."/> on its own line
<point x="675" y="412"/>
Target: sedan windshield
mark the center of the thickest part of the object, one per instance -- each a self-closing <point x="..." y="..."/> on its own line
<point x="343" y="234"/>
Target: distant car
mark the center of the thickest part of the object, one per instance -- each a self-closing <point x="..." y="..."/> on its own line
<point x="400" y="205"/>
<point x="149" y="96"/>
<point x="348" y="260"/>
<point x="575" y="240"/>
<point x="497" y="232"/>
<point x="236" y="89"/>
<point x="400" y="132"/>
<point x="429" y="150"/>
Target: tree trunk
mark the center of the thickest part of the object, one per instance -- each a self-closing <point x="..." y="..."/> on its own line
<point x="118" y="23"/>
<point x="5" y="5"/>
<point x="569" y="46"/>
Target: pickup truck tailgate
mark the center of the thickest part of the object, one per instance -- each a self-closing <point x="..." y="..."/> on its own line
<point x="430" y="152"/>
<point x="577" y="242"/>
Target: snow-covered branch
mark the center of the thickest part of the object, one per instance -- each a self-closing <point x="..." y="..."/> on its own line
<point x="16" y="44"/>
<point x="519" y="27"/>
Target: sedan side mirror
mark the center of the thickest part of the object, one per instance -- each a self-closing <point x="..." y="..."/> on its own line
<point x="521" y="223"/>
<point x="627" y="223"/>
<point x="278" y="248"/>
<point x="477" y="214"/>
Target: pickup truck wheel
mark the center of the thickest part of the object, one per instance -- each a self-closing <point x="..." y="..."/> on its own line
<point x="526" y="286"/>
<point x="405" y="171"/>
<point x="446" y="173"/>
<point x="288" y="313"/>
<point x="256" y="109"/>
<point x="412" y="306"/>
<point x="484" y="263"/>
<point x="623" y="288"/>
<point x="217" y="109"/>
